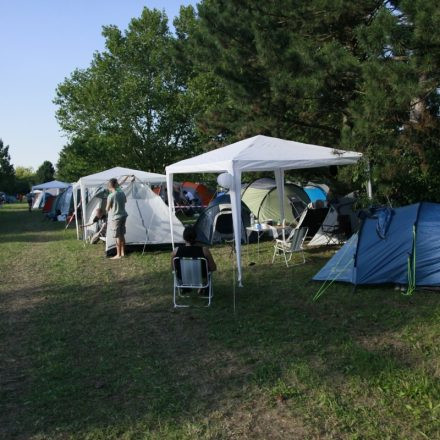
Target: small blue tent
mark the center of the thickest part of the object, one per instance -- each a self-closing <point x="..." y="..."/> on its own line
<point x="408" y="253"/>
<point x="315" y="193"/>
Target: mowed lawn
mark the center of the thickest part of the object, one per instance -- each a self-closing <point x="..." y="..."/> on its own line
<point x="92" y="348"/>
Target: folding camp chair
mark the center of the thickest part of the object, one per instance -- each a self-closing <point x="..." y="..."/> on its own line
<point x="224" y="227"/>
<point x="291" y="245"/>
<point x="189" y="274"/>
<point x="339" y="233"/>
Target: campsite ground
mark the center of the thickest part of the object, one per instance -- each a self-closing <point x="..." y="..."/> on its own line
<point x="92" y="349"/>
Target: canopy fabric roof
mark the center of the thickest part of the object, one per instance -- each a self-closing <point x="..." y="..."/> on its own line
<point x="118" y="172"/>
<point x="264" y="153"/>
<point x="54" y="184"/>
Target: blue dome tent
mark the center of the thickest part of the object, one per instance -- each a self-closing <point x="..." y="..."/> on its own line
<point x="401" y="247"/>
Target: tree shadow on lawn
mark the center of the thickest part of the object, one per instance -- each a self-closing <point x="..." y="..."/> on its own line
<point x="101" y="357"/>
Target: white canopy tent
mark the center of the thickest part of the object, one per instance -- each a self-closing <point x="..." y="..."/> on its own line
<point x="259" y="153"/>
<point x="94" y="181"/>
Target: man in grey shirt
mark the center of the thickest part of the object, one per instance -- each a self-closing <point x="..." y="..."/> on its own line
<point x="116" y="207"/>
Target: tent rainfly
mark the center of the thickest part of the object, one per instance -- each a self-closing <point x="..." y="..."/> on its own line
<point x="55" y="184"/>
<point x="258" y="153"/>
<point x="95" y="181"/>
<point x="52" y="188"/>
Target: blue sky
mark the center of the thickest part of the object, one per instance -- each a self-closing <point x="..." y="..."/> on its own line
<point x="42" y="42"/>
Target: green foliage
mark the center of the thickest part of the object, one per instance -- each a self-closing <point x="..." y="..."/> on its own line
<point x="131" y="105"/>
<point x="45" y="172"/>
<point x="355" y="75"/>
<point x="25" y="177"/>
<point x="362" y="76"/>
<point x="7" y="177"/>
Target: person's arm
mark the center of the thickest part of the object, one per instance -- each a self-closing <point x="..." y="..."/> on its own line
<point x="104" y="225"/>
<point x="109" y="202"/>
<point x="173" y="255"/>
<point x="211" y="263"/>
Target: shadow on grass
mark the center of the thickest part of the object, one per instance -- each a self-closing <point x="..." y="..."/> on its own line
<point x="102" y="356"/>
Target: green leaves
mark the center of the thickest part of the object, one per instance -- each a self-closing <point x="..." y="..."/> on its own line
<point x="131" y="101"/>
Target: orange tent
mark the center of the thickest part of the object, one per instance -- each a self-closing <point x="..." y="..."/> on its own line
<point x="199" y="190"/>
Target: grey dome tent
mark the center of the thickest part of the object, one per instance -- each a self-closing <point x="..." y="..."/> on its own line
<point x="205" y="223"/>
<point x="261" y="197"/>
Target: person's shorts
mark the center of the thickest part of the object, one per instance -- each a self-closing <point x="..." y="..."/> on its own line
<point x="118" y="227"/>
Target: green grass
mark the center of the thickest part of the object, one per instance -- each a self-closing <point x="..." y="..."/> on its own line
<point x="92" y="349"/>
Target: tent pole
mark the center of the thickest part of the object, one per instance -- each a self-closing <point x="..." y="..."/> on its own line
<point x="171" y="208"/>
<point x="369" y="184"/>
<point x="84" y="206"/>
<point x="279" y="179"/>
<point x="75" y="202"/>
<point x="235" y="194"/>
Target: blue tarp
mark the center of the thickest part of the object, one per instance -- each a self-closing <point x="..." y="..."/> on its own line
<point x="376" y="260"/>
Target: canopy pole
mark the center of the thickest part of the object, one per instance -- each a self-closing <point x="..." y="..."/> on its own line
<point x="369" y="184"/>
<point x="75" y="203"/>
<point x="279" y="179"/>
<point x="171" y="209"/>
<point x="84" y="206"/>
<point x="235" y="194"/>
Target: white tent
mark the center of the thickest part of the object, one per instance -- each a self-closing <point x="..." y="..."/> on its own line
<point x="259" y="153"/>
<point x="41" y="189"/>
<point x="89" y="184"/>
<point x="147" y="221"/>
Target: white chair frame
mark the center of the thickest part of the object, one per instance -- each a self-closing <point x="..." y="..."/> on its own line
<point x="191" y="278"/>
<point x="293" y="244"/>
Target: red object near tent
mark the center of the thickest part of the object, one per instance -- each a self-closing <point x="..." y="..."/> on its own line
<point x="200" y="191"/>
<point x="48" y="204"/>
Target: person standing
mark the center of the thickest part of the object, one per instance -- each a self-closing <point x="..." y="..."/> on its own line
<point x="30" y="199"/>
<point x="116" y="207"/>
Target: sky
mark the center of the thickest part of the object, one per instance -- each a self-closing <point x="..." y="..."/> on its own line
<point x="41" y="43"/>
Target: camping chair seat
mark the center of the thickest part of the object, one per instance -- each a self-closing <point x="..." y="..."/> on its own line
<point x="291" y="245"/>
<point x="191" y="273"/>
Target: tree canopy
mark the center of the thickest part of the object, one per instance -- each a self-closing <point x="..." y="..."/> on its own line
<point x="45" y="172"/>
<point x="357" y="75"/>
<point x="7" y="175"/>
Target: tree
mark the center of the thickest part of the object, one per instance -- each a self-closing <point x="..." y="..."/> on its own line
<point x="25" y="177"/>
<point x="7" y="176"/>
<point x="45" y="172"/>
<point x="131" y="105"/>
<point x="358" y="75"/>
